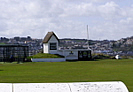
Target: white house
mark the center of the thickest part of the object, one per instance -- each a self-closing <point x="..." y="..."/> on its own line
<point x="51" y="43"/>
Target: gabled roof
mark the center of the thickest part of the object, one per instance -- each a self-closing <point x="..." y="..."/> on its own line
<point x="48" y="36"/>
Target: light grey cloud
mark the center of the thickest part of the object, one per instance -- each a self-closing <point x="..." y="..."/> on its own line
<point x="67" y="18"/>
<point x="110" y="10"/>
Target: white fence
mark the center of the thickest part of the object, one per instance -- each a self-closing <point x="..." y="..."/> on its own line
<point x="48" y="59"/>
<point x="64" y="87"/>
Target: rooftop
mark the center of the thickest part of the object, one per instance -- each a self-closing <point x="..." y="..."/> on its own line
<point x="48" y="36"/>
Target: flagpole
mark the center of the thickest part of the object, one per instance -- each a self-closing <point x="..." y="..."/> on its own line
<point x="88" y="37"/>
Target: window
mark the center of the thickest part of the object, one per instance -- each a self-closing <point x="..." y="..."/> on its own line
<point x="53" y="46"/>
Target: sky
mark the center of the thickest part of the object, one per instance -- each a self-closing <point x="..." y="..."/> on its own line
<point x="106" y="19"/>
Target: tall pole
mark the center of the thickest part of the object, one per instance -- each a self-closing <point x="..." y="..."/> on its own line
<point x="88" y="37"/>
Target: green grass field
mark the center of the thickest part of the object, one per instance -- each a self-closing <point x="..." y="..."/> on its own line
<point x="81" y="71"/>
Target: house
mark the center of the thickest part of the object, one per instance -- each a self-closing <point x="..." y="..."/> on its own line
<point x="50" y="43"/>
<point x="51" y="46"/>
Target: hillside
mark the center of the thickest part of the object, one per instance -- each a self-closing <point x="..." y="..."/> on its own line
<point x="124" y="46"/>
<point x="112" y="47"/>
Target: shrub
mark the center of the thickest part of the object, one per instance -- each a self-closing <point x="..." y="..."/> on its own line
<point x="101" y="56"/>
<point x="127" y="57"/>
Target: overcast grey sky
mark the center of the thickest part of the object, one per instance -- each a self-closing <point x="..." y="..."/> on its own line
<point x="107" y="19"/>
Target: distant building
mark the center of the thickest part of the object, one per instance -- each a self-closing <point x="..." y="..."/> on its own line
<point x="51" y="45"/>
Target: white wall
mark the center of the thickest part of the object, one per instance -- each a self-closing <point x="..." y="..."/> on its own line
<point x="46" y="46"/>
<point x="48" y="59"/>
<point x="68" y="55"/>
<point x="64" y="87"/>
<point x="5" y="87"/>
<point x="71" y="54"/>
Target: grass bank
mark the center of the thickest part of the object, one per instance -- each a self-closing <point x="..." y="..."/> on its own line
<point x="45" y="55"/>
<point x="81" y="71"/>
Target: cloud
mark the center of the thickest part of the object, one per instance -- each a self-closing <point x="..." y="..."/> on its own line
<point x="67" y="18"/>
<point x="109" y="10"/>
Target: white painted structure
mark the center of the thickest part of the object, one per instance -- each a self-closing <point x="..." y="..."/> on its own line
<point x="48" y="59"/>
<point x="6" y="87"/>
<point x="71" y="54"/>
<point x="51" y="43"/>
<point x="64" y="87"/>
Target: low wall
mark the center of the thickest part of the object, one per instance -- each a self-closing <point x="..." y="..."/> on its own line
<point x="64" y="87"/>
<point x="48" y="59"/>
